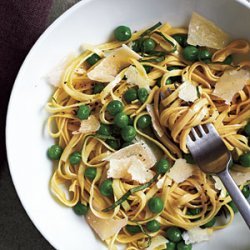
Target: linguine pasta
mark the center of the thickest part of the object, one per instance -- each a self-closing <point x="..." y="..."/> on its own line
<point x="172" y="119"/>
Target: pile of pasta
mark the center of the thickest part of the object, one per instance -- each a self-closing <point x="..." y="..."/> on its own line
<point x="172" y="119"/>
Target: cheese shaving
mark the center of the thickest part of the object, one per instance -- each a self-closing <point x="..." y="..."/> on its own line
<point x="220" y="187"/>
<point x="158" y="242"/>
<point x="240" y="178"/>
<point x="110" y="66"/>
<point x="130" y="168"/>
<point x="203" y="32"/>
<point x="140" y="150"/>
<point x="90" y="125"/>
<point x="230" y="83"/>
<point x="188" y="92"/>
<point x="134" y="77"/>
<point x="155" y="122"/>
<point x="181" y="170"/>
<point x="55" y="75"/>
<point x="196" y="235"/>
<point x="105" y="228"/>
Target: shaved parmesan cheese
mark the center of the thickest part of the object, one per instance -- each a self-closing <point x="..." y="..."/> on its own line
<point x="118" y="168"/>
<point x="139" y="172"/>
<point x="140" y="150"/>
<point x="240" y="178"/>
<point x="188" y="92"/>
<point x="203" y="32"/>
<point x="196" y="235"/>
<point x="130" y="168"/>
<point x="134" y="77"/>
<point x="55" y="75"/>
<point x="230" y="83"/>
<point x="156" y="125"/>
<point x="110" y="66"/>
<point x="90" y="125"/>
<point x="158" y="242"/>
<point x="181" y="170"/>
<point x="220" y="187"/>
<point x="105" y="228"/>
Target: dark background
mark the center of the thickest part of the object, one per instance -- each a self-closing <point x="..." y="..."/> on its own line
<point x="21" y="23"/>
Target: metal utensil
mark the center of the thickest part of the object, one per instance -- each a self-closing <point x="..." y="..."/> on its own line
<point x="212" y="156"/>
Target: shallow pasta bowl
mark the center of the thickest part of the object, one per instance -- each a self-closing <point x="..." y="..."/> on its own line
<point x="92" y="22"/>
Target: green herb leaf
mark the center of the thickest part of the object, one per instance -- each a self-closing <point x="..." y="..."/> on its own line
<point x="130" y="192"/>
<point x="151" y="29"/>
<point x="104" y="137"/>
<point x="157" y="53"/>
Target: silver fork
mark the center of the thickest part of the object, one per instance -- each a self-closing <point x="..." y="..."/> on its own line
<point x="212" y="156"/>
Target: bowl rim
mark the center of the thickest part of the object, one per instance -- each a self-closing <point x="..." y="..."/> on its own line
<point x="39" y="40"/>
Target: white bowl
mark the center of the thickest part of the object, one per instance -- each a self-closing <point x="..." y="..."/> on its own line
<point x="92" y="22"/>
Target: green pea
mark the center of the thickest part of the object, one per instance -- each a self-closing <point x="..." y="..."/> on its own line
<point x="181" y="39"/>
<point x="246" y="191"/>
<point x="168" y="81"/>
<point x="162" y="166"/>
<point x="114" y="107"/>
<point x="189" y="158"/>
<point x="128" y="143"/>
<point x="122" y="33"/>
<point x="228" y="60"/>
<point x="155" y="205"/>
<point x="153" y="226"/>
<point x="142" y="94"/>
<point x="148" y="45"/>
<point x="182" y="246"/>
<point x="55" y="152"/>
<point x="106" y="188"/>
<point x="190" y="53"/>
<point x="104" y="130"/>
<point x="121" y="120"/>
<point x="204" y="54"/>
<point x="113" y="144"/>
<point x="75" y="158"/>
<point x="247" y="129"/>
<point x="210" y="223"/>
<point x="90" y="173"/>
<point x="171" y="245"/>
<point x="98" y="88"/>
<point x="144" y="121"/>
<point x="80" y="209"/>
<point x="147" y="68"/>
<point x="130" y="95"/>
<point x="245" y="160"/>
<point x="194" y="211"/>
<point x="128" y="133"/>
<point x="136" y="46"/>
<point x="93" y="59"/>
<point x="83" y="112"/>
<point x="233" y="206"/>
<point x="133" y="229"/>
<point x="174" y="234"/>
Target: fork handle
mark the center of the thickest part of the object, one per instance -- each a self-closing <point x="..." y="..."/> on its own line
<point x="236" y="195"/>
